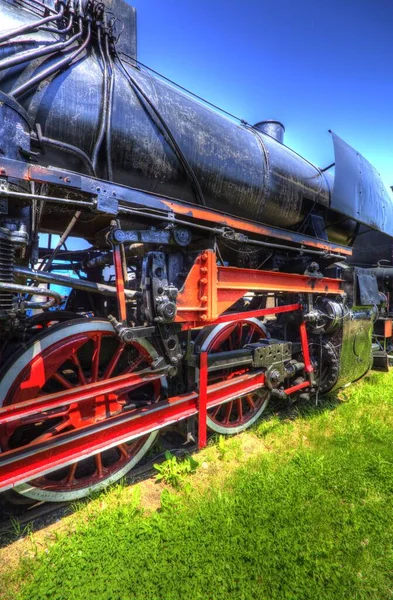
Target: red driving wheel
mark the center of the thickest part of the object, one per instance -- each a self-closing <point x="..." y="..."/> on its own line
<point x="66" y="356"/>
<point x="239" y="414"/>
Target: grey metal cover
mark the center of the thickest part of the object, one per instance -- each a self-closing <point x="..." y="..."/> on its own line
<point x="358" y="190"/>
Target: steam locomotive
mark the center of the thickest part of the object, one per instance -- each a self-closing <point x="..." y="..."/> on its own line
<point x="216" y="270"/>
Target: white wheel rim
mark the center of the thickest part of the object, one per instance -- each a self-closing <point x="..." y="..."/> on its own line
<point x="211" y="423"/>
<point x="36" y="493"/>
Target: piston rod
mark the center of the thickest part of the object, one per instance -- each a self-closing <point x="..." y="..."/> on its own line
<point x="72" y="282"/>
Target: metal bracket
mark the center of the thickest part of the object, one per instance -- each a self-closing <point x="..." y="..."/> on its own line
<point x="130" y="334"/>
<point x="175" y="235"/>
<point x="4" y="187"/>
<point x="106" y="203"/>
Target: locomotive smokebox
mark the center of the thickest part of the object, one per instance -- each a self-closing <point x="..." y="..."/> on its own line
<point x="274" y="129"/>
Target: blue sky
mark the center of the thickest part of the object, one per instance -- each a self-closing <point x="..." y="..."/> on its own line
<point x="313" y="65"/>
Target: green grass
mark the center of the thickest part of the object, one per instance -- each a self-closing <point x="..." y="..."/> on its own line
<point x="174" y="471"/>
<point x="309" y="517"/>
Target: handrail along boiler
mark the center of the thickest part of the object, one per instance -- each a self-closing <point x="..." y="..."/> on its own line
<point x="221" y="270"/>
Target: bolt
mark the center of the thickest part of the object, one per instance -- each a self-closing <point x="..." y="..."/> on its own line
<point x="67" y="179"/>
<point x="203" y="269"/>
<point x="204" y="299"/>
<point x="203" y="318"/>
<point x="204" y="256"/>
<point x="203" y="281"/>
<point x="275" y="376"/>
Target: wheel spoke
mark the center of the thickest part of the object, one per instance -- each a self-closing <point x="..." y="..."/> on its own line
<point x="62" y="380"/>
<point x="56" y="429"/>
<point x="230" y="340"/>
<point x="113" y="362"/>
<point x="136" y="363"/>
<point x="228" y="411"/>
<point x="215" y="411"/>
<point x="239" y="329"/>
<point x="221" y="338"/>
<point x="251" y="331"/>
<point x="133" y="365"/>
<point x="95" y="363"/>
<point x="100" y="468"/>
<point x="71" y="474"/>
<point x="124" y="450"/>
<point x="239" y="409"/>
<point x="250" y="401"/>
<point x="81" y="375"/>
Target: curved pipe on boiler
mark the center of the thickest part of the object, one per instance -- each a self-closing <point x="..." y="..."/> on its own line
<point x="68" y="27"/>
<point x="69" y="148"/>
<point x="33" y="26"/>
<point x="104" y="111"/>
<point x="110" y="110"/>
<point x="30" y="55"/>
<point x="56" y="67"/>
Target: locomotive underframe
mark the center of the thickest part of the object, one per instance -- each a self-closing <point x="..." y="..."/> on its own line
<point x="23" y="464"/>
<point x="186" y="308"/>
<point x="209" y="290"/>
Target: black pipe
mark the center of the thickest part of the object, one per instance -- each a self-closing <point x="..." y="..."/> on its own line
<point x="68" y="201"/>
<point x="16" y="288"/>
<point x="56" y="67"/>
<point x="231" y="358"/>
<point x="68" y="27"/>
<point x="32" y="7"/>
<point x="104" y="111"/>
<point x="30" y="55"/>
<point x="110" y="111"/>
<point x="24" y="41"/>
<point x="42" y="5"/>
<point x="32" y="26"/>
<point x="381" y="272"/>
<point x="72" y="282"/>
<point x="69" y="148"/>
<point x="159" y="121"/>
